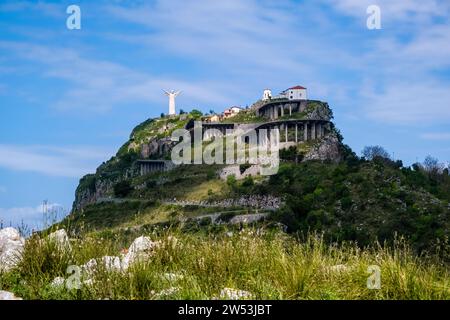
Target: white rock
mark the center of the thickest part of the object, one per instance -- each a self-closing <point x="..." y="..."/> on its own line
<point x="112" y="263"/>
<point x="58" y="282"/>
<point x="141" y="249"/>
<point x="168" y="292"/>
<point x="61" y="239"/>
<point x="234" y="294"/>
<point x="172" y="277"/>
<point x="9" y="234"/>
<point x="142" y="244"/>
<point x="88" y="282"/>
<point x="11" y="248"/>
<point x="5" y="295"/>
<point x="90" y="267"/>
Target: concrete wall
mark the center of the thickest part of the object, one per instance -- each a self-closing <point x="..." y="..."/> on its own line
<point x="150" y="166"/>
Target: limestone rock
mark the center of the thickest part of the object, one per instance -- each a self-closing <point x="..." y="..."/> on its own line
<point x="253" y="170"/>
<point x="11" y="248"/>
<point x="156" y="147"/>
<point x="58" y="282"/>
<point x="326" y="149"/>
<point x="141" y="249"/>
<point x="234" y="294"/>
<point x="109" y="263"/>
<point x="88" y="195"/>
<point x="318" y="111"/>
<point x="112" y="263"/>
<point x="167" y="292"/>
<point x="90" y="267"/>
<point x="9" y="234"/>
<point x="172" y="277"/>
<point x="61" y="239"/>
<point x="5" y="295"/>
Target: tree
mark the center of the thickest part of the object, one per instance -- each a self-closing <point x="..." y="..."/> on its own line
<point x="182" y="111"/>
<point x="248" y="181"/>
<point x="432" y="166"/>
<point x="196" y="113"/>
<point x="231" y="180"/>
<point x="212" y="111"/>
<point x="417" y="167"/>
<point x="162" y="115"/>
<point x="374" y="153"/>
<point x="122" y="189"/>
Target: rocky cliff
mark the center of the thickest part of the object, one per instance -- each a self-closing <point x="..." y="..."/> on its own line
<point x="151" y="140"/>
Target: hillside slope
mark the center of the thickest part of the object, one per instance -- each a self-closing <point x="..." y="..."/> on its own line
<point x="321" y="186"/>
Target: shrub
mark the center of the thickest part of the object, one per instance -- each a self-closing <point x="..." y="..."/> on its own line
<point x="122" y="189"/>
<point x="375" y="152"/>
<point x="248" y="182"/>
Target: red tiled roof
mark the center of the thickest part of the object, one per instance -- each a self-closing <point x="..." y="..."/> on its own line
<point x="296" y="87"/>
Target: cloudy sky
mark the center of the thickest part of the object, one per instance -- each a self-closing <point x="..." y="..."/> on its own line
<point x="69" y="98"/>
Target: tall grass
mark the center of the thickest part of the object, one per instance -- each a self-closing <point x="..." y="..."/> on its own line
<point x="270" y="265"/>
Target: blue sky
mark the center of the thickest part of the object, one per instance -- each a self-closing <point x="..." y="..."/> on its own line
<point x="69" y="98"/>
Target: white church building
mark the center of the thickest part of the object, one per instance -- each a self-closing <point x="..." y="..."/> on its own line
<point x="294" y="93"/>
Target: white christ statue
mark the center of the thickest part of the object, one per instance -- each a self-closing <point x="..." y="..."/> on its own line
<point x="172" y="94"/>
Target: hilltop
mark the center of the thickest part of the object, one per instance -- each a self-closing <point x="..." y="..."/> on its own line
<point x="321" y="186"/>
<point x="142" y="228"/>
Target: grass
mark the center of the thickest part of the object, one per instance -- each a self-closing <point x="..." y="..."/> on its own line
<point x="269" y="264"/>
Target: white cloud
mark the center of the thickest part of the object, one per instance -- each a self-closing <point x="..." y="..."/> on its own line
<point x="97" y="85"/>
<point x="32" y="216"/>
<point x="240" y="36"/>
<point x="254" y="44"/>
<point x="409" y="103"/>
<point x="262" y="42"/>
<point x="54" y="161"/>
<point x="414" y="11"/>
<point x="40" y="6"/>
<point x="248" y="44"/>
<point x="401" y="74"/>
<point x="436" y="136"/>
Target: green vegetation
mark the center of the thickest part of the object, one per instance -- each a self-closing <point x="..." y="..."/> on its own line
<point x="245" y="116"/>
<point x="269" y="265"/>
<point x="314" y="110"/>
<point x="359" y="200"/>
<point x="122" y="189"/>
<point x="365" y="202"/>
<point x="367" y="211"/>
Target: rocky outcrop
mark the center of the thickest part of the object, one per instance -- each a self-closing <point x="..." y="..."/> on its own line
<point x="5" y="295"/>
<point x="328" y="148"/>
<point x="61" y="240"/>
<point x="141" y="249"/>
<point x="317" y="110"/>
<point x="156" y="147"/>
<point x="88" y="195"/>
<point x="235" y="170"/>
<point x="11" y="248"/>
<point x="235" y="294"/>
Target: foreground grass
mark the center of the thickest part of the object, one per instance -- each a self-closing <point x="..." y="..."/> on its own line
<point x="271" y="265"/>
